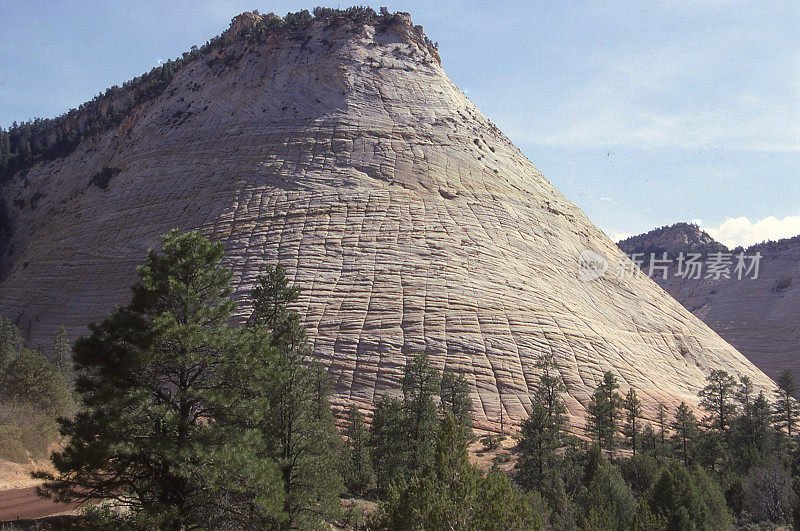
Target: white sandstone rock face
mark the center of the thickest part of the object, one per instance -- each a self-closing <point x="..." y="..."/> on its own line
<point x="408" y="220"/>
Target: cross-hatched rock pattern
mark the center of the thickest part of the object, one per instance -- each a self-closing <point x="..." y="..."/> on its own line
<point x="409" y="221"/>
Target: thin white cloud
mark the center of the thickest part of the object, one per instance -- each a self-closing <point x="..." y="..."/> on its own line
<point x="619" y="236"/>
<point x="741" y="231"/>
<point x="664" y="96"/>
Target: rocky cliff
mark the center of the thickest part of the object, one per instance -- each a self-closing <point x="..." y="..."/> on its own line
<point x="759" y="315"/>
<point x="340" y="148"/>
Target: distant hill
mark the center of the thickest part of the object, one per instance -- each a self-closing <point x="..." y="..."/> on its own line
<point x="672" y="239"/>
<point x="759" y="317"/>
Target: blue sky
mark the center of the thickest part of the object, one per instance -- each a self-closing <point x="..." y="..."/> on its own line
<point x="643" y="114"/>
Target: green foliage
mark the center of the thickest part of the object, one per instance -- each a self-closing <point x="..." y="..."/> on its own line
<point x="10" y="341"/>
<point x="687" y="500"/>
<point x="359" y="476"/>
<point x="11" y="446"/>
<point x="29" y="377"/>
<point x="633" y="415"/>
<point x="685" y="433"/>
<point x="32" y="394"/>
<point x="490" y="442"/>
<point x="388" y="439"/>
<point x="786" y="408"/>
<point x="455" y="398"/>
<point x="608" y="502"/>
<point x="717" y="399"/>
<point x="62" y="351"/>
<point x="165" y="385"/>
<point x="102" y="178"/>
<point x="453" y="494"/>
<point x="640" y="472"/>
<point x="604" y="413"/>
<point x="299" y="430"/>
<point x="420" y="384"/>
<point x="542" y="434"/>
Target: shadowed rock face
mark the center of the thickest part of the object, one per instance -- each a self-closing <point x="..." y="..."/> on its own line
<point x="409" y="221"/>
<point x="757" y="316"/>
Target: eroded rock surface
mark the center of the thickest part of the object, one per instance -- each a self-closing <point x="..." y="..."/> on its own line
<point x="407" y="218"/>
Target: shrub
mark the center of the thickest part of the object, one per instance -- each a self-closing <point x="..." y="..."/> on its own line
<point x="102" y="178"/>
<point x="11" y="447"/>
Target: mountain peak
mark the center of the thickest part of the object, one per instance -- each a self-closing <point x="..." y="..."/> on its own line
<point x="672" y="239"/>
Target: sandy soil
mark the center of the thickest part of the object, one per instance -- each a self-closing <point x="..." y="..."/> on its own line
<point x="17" y="476"/>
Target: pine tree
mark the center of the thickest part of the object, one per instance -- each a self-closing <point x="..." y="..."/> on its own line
<point x="786" y="407"/>
<point x="5" y="149"/>
<point x="716" y="398"/>
<point x="542" y="433"/>
<point x="604" y="412"/>
<point x="633" y="414"/>
<point x="164" y="384"/>
<point x="455" y="398"/>
<point x="359" y="476"/>
<point x="420" y="384"/>
<point x="744" y="395"/>
<point x="300" y="428"/>
<point x="451" y="493"/>
<point x="662" y="427"/>
<point x="389" y="442"/>
<point x="63" y="352"/>
<point x="10" y="341"/>
<point x="685" y="431"/>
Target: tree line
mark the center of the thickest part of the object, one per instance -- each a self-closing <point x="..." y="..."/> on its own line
<point x="24" y="144"/>
<point x="737" y="466"/>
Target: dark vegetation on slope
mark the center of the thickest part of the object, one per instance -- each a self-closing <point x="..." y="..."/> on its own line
<point x="672" y="239"/>
<point x="688" y="237"/>
<point x="43" y="139"/>
<point x="34" y="391"/>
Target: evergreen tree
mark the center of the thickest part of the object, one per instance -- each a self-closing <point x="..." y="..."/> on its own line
<point x="10" y="341"/>
<point x="662" y="428"/>
<point x="30" y="378"/>
<point x="685" y="431"/>
<point x="744" y="395"/>
<point x="389" y="442"/>
<point x="633" y="414"/>
<point x="420" y="384"/>
<point x="716" y="398"/>
<point x="649" y="444"/>
<point x="542" y="435"/>
<point x="359" y="476"/>
<point x="608" y="502"/>
<point x="5" y="149"/>
<point x="451" y="493"/>
<point x="299" y="427"/>
<point x="455" y="398"/>
<point x="163" y="384"/>
<point x="688" y="501"/>
<point x="604" y="412"/>
<point x="786" y="407"/>
<point x="63" y="352"/>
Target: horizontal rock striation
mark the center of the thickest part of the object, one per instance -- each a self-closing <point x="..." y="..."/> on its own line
<point x="408" y="220"/>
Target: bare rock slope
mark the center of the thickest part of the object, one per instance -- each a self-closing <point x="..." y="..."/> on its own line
<point x="407" y="218"/>
<point x="759" y="316"/>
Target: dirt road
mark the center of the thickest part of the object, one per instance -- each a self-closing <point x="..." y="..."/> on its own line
<point x="24" y="504"/>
